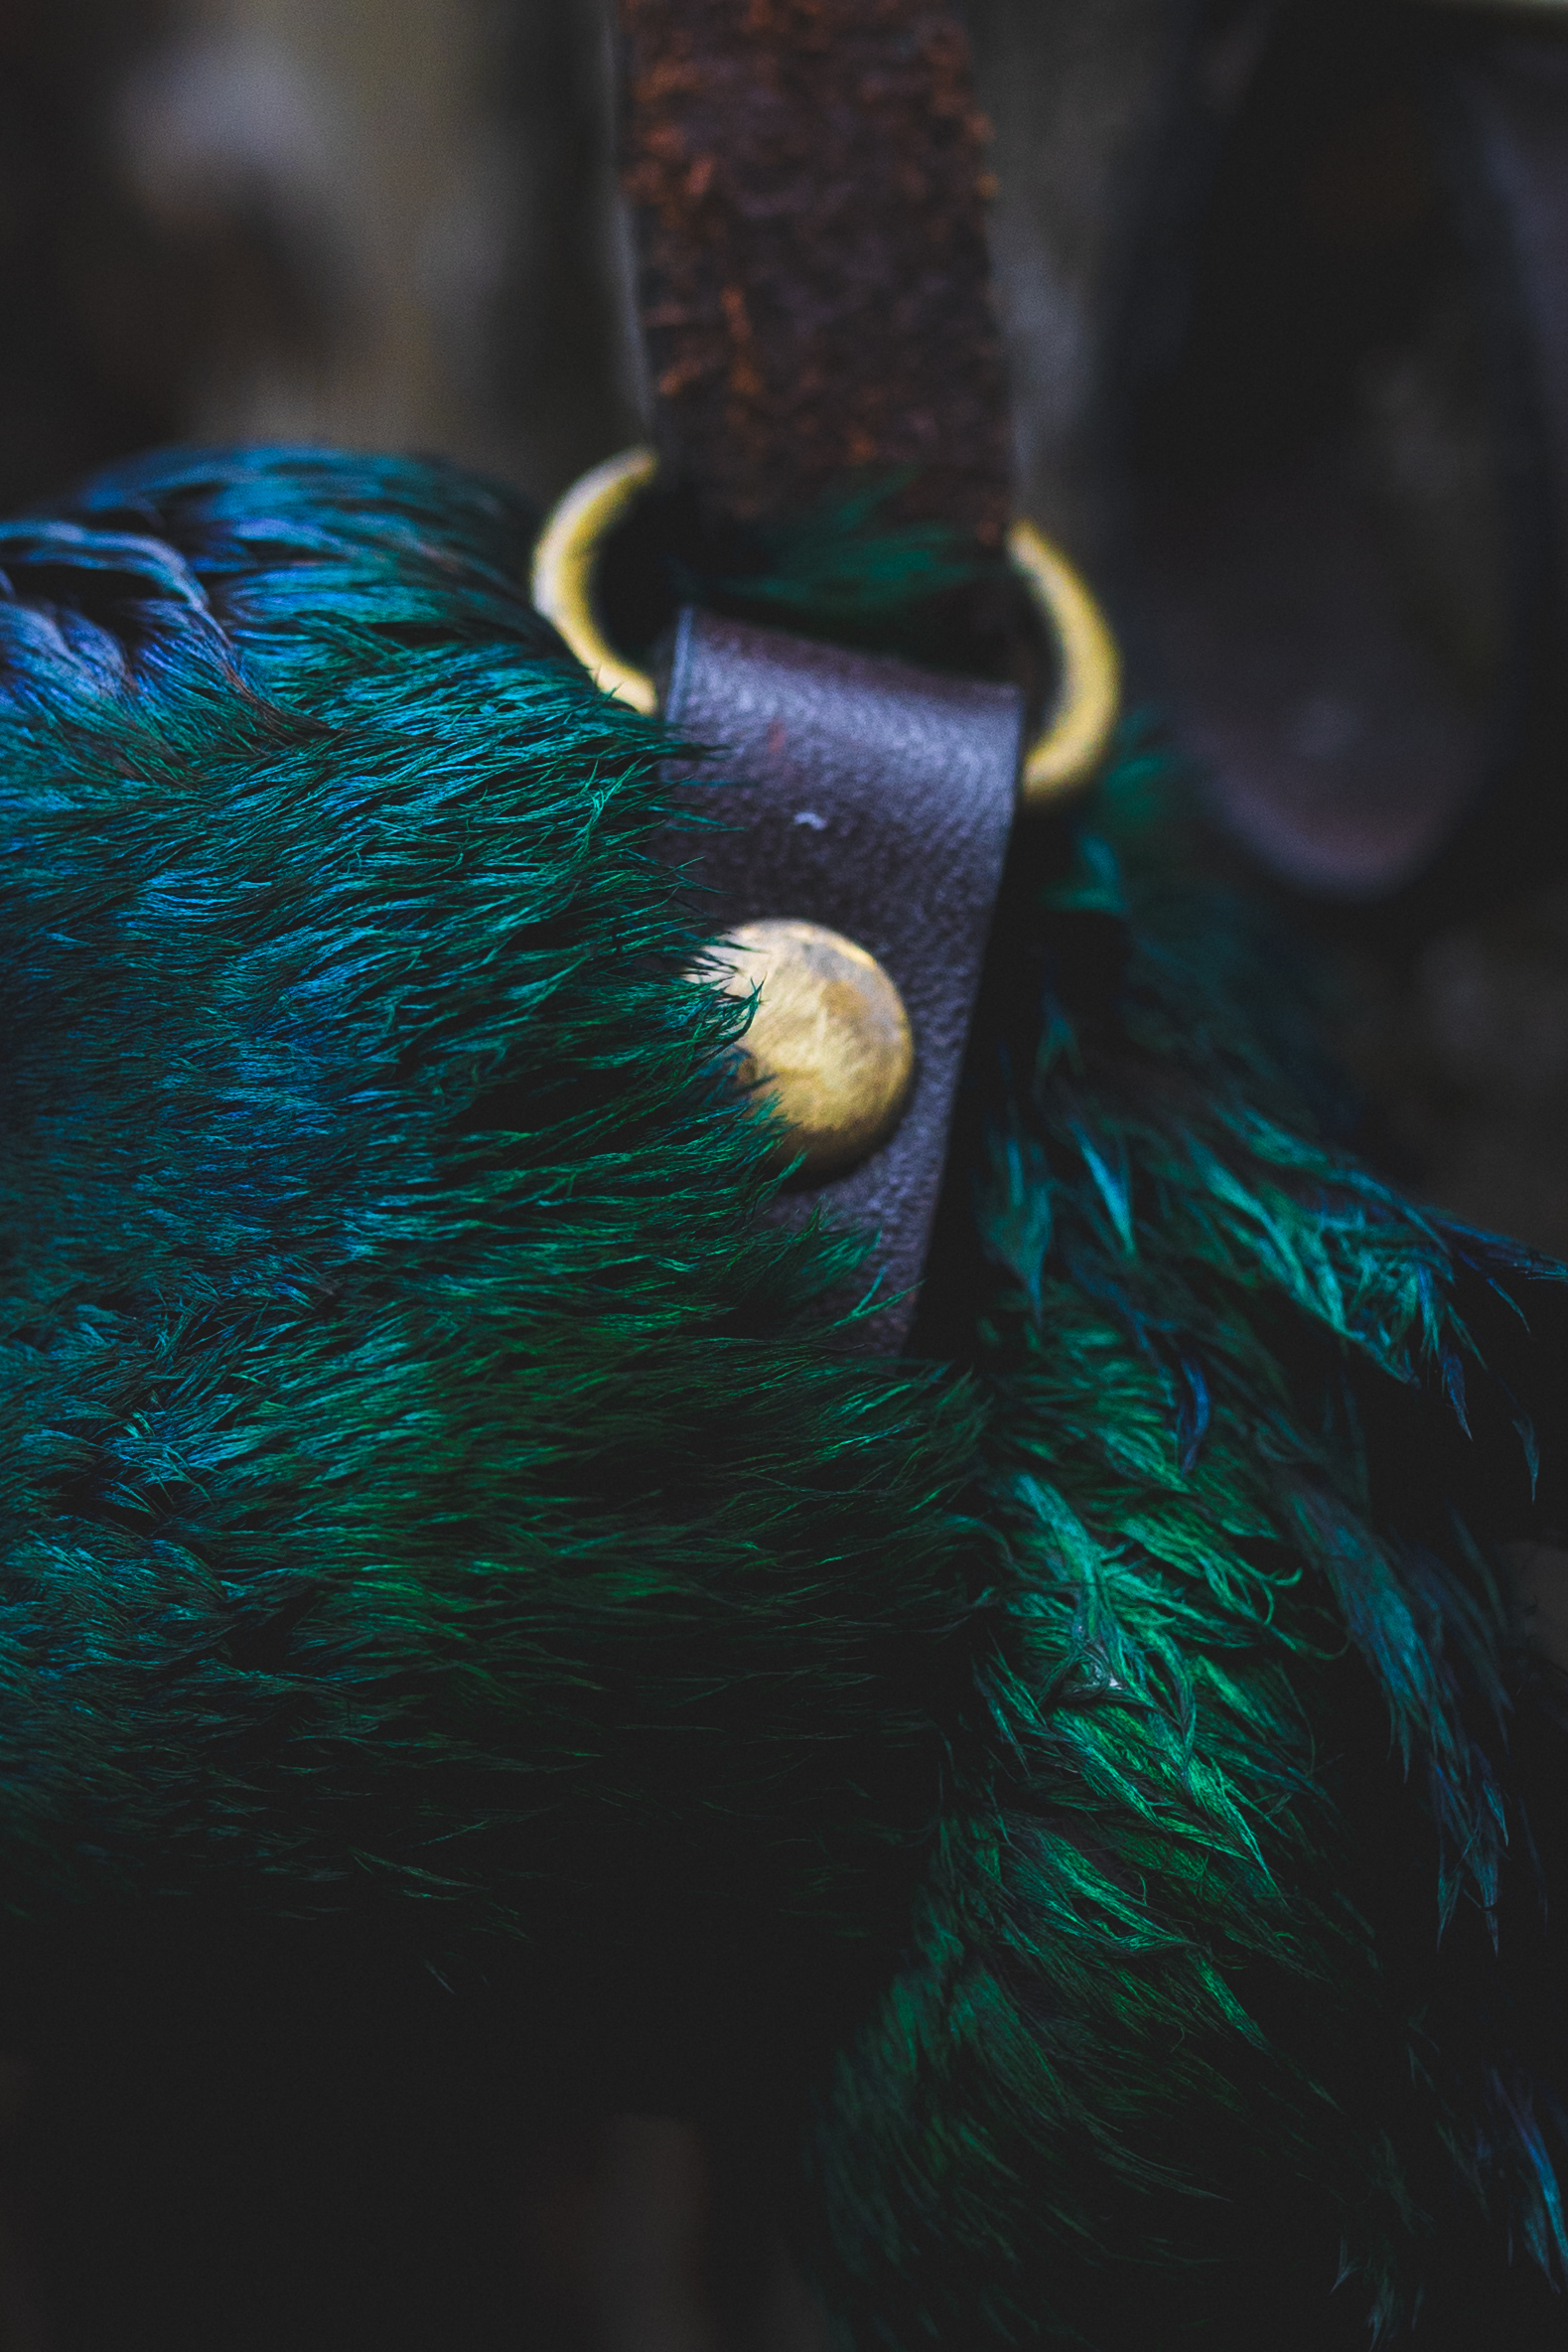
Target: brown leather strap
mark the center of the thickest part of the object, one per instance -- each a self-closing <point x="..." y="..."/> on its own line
<point x="807" y="184"/>
<point x="879" y="804"/>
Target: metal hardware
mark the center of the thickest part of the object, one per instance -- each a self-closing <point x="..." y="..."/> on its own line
<point x="829" y="1041"/>
<point x="1075" y="737"/>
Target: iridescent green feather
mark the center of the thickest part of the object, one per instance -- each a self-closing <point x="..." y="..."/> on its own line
<point x="1065" y="1784"/>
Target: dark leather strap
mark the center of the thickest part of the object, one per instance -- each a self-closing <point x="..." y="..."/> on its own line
<point x="807" y="184"/>
<point x="879" y="804"/>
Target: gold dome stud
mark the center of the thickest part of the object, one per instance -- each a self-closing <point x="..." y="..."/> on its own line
<point x="829" y="1039"/>
<point x="1064" y="755"/>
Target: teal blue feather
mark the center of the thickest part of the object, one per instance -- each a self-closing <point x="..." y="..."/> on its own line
<point x="1067" y="1785"/>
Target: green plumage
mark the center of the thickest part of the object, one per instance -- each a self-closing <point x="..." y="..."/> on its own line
<point x="1033" y="1777"/>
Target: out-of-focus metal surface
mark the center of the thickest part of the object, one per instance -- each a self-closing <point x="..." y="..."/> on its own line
<point x="1506" y="7"/>
<point x="378" y="223"/>
<point x="1077" y="91"/>
<point x="431" y="179"/>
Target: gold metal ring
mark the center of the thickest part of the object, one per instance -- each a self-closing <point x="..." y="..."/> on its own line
<point x="565" y="559"/>
<point x="1078" y="729"/>
<point x="1081" y="720"/>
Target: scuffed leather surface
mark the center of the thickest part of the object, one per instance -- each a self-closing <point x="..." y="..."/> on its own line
<point x="879" y="804"/>
<point x="807" y="182"/>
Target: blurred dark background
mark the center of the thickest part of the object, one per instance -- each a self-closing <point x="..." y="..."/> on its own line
<point x="1246" y="257"/>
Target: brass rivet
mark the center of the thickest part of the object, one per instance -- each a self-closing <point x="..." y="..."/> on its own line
<point x="829" y="1039"/>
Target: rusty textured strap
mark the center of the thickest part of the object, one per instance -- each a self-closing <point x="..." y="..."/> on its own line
<point x="807" y="184"/>
<point x="879" y="804"/>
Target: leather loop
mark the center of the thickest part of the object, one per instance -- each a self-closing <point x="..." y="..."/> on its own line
<point x="879" y="804"/>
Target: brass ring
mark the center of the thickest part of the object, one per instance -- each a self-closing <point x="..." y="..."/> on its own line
<point x="564" y="561"/>
<point x="1065" y="752"/>
<point x="1078" y="727"/>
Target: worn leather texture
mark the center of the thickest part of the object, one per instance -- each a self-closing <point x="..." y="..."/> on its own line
<point x="807" y="184"/>
<point x="881" y="798"/>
